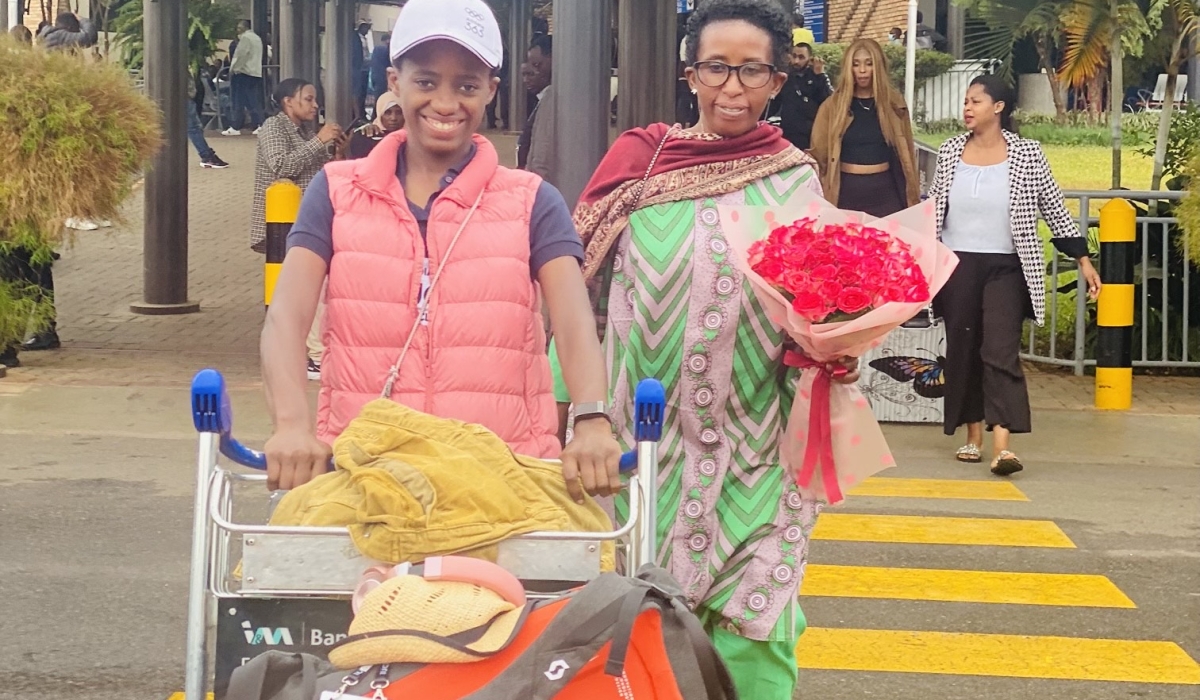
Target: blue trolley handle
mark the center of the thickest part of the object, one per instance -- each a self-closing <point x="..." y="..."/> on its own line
<point x="212" y="413"/>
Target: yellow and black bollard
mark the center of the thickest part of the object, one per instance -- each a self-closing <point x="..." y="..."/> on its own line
<point x="1114" y="342"/>
<point x="282" y="205"/>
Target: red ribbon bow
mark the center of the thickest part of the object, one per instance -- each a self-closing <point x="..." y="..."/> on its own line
<point x="819" y="447"/>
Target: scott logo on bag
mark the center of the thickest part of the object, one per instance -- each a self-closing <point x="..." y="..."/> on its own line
<point x="558" y="668"/>
<point x="271" y="636"/>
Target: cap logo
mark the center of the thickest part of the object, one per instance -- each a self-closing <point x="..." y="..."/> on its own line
<point x="474" y="22"/>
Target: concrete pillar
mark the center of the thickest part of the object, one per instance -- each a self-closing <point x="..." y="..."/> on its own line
<point x="165" y="231"/>
<point x="340" y="16"/>
<point x="519" y="35"/>
<point x="582" y="69"/>
<point x="956" y="25"/>
<point x="290" y="39"/>
<point x="4" y="21"/>
<point x="648" y="53"/>
<point x="299" y="46"/>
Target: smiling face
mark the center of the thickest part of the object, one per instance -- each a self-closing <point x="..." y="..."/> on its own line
<point x="733" y="109"/>
<point x="980" y="111"/>
<point x="303" y="105"/>
<point x="444" y="91"/>
<point x="862" y="67"/>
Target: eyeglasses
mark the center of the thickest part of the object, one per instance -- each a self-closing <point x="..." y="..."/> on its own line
<point x="715" y="74"/>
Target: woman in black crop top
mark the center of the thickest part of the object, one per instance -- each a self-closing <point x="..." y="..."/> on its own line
<point x="862" y="140"/>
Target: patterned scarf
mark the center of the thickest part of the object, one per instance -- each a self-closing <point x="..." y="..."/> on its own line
<point x="689" y="166"/>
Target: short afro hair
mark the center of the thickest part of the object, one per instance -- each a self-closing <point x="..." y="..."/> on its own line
<point x="767" y="15"/>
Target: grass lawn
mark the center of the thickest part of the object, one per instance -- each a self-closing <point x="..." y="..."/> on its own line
<point x="1084" y="167"/>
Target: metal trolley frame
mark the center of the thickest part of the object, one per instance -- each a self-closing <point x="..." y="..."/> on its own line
<point x="295" y="565"/>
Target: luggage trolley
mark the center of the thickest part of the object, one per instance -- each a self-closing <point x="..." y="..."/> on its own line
<point x="288" y="573"/>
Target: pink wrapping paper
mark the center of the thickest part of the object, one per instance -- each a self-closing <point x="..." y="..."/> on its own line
<point x="846" y="429"/>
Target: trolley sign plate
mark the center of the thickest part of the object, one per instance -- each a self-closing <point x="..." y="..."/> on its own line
<point x="250" y="626"/>
<point x="314" y="564"/>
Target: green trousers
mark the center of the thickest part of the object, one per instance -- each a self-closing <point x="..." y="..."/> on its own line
<point x="760" y="670"/>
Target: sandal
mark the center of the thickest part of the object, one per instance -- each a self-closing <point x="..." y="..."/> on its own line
<point x="1006" y="464"/>
<point x="969" y="454"/>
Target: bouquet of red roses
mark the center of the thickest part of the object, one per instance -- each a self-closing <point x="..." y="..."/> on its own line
<point x="838" y="272"/>
<point x="837" y="283"/>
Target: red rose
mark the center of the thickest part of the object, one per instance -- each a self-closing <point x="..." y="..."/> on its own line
<point x="809" y="305"/>
<point x="795" y="281"/>
<point x="769" y="269"/>
<point x="853" y="300"/>
<point x="831" y="290"/>
<point x="824" y="272"/>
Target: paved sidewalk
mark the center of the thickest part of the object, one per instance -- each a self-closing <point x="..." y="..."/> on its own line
<point x="106" y="345"/>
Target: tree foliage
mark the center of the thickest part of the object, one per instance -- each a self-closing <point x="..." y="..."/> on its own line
<point x="208" y="22"/>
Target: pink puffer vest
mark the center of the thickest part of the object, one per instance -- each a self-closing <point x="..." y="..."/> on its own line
<point x="482" y="356"/>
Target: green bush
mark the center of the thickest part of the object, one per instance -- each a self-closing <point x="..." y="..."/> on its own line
<point x="1188" y="212"/>
<point x="73" y="136"/>
<point x="930" y="64"/>
<point x="1183" y="141"/>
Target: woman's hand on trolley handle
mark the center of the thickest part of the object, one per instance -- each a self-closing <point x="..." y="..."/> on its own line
<point x="1091" y="277"/>
<point x="294" y="457"/>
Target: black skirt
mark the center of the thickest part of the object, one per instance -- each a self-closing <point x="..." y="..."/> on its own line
<point x="876" y="194"/>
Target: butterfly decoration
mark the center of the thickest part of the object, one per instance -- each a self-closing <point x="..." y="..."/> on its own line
<point x="926" y="375"/>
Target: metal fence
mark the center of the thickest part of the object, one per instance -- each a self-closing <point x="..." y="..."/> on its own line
<point x="941" y="97"/>
<point x="1163" y="326"/>
<point x="1165" y="334"/>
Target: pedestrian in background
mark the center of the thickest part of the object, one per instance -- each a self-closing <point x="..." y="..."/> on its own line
<point x="68" y="33"/>
<point x="245" y="80"/>
<point x="21" y="35"/>
<point x="988" y="188"/>
<point x="290" y="147"/>
<point x="379" y="66"/>
<point x="195" y="129"/>
<point x="806" y="89"/>
<point x="542" y="119"/>
<point x="862" y="139"/>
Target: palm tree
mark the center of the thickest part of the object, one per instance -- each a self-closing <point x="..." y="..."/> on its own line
<point x="1012" y="20"/>
<point x="1180" y="23"/>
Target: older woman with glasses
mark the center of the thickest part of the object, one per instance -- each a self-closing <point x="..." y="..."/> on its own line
<point x="732" y="523"/>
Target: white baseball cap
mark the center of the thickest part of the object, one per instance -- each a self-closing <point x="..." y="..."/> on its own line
<point x="468" y="23"/>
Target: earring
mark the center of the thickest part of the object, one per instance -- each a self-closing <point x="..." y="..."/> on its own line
<point x="694" y="91"/>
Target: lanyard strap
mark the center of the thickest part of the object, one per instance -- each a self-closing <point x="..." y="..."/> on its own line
<point x="394" y="372"/>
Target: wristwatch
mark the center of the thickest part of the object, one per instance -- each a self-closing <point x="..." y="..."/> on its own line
<point x="591" y="409"/>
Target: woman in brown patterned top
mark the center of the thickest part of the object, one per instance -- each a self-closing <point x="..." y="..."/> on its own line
<point x="289" y="148"/>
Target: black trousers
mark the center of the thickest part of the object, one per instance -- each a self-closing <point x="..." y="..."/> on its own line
<point x="984" y="306"/>
<point x="17" y="266"/>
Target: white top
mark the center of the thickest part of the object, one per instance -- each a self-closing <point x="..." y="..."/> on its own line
<point x="977" y="212"/>
<point x="248" y="56"/>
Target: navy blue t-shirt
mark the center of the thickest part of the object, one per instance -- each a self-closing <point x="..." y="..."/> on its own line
<point x="552" y="233"/>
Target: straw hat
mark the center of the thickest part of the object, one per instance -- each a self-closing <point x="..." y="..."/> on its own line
<point x="410" y="620"/>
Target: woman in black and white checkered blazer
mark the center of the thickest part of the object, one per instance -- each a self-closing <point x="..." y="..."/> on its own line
<point x="989" y="187"/>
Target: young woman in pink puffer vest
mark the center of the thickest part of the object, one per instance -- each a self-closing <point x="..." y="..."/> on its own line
<point x="437" y="259"/>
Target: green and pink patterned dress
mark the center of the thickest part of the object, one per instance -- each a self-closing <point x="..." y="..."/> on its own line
<point x="733" y="527"/>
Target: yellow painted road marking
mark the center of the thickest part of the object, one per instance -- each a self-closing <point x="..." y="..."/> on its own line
<point x="916" y="529"/>
<point x="940" y="488"/>
<point x="1014" y="656"/>
<point x="179" y="696"/>
<point x="951" y="585"/>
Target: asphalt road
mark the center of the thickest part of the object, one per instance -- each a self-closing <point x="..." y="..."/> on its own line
<point x="95" y="501"/>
